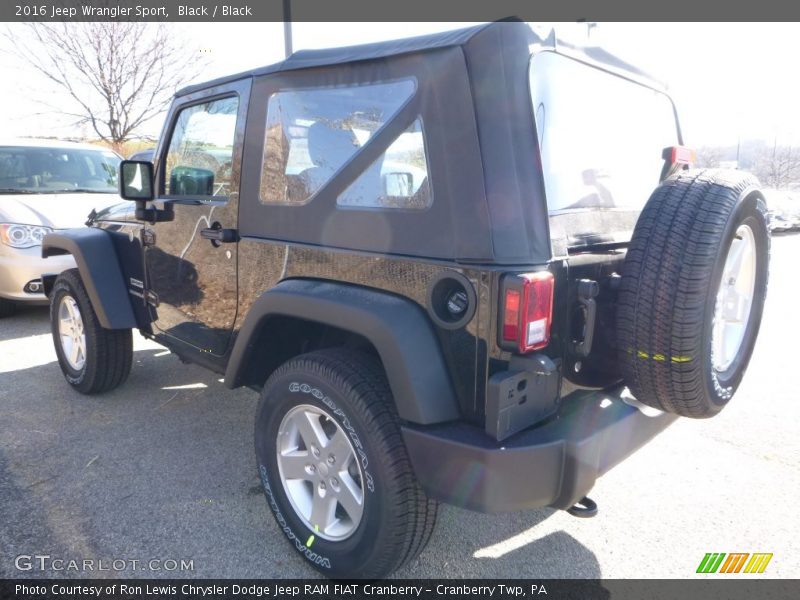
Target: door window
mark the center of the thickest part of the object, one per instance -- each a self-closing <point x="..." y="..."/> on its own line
<point x="200" y="154"/>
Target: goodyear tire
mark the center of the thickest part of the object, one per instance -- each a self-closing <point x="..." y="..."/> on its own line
<point x="93" y="359"/>
<point x="692" y="292"/>
<point x="334" y="467"/>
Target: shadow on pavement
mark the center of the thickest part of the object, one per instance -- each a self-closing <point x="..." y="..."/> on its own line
<point x="28" y="320"/>
<point x="163" y="468"/>
<point x="474" y="545"/>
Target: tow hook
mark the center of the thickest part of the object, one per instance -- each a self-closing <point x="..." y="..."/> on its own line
<point x="584" y="508"/>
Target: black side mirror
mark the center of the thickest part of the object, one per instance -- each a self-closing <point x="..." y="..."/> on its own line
<point x="191" y="181"/>
<point x="136" y="180"/>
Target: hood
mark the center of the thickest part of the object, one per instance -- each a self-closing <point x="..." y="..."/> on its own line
<point x="120" y="211"/>
<point x="58" y="211"/>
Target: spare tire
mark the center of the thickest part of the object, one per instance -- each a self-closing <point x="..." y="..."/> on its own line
<point x="692" y="292"/>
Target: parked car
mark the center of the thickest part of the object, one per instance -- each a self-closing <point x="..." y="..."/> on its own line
<point x="437" y="262"/>
<point x="45" y="186"/>
<point x="779" y="221"/>
<point x="146" y="155"/>
<point x="784" y="210"/>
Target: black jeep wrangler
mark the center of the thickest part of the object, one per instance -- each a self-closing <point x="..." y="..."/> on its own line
<point x="436" y="260"/>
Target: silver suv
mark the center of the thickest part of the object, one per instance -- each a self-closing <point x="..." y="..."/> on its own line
<point x="45" y="186"/>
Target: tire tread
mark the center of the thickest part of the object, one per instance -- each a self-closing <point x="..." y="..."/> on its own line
<point x="666" y="278"/>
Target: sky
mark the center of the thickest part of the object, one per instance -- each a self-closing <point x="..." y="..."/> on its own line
<point x="730" y="81"/>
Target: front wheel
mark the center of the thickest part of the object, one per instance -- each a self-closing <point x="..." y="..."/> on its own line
<point x="92" y="358"/>
<point x="334" y="467"/>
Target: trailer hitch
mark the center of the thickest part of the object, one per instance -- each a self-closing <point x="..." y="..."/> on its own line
<point x="584" y="508"/>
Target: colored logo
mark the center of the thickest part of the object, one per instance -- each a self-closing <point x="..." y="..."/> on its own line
<point x="737" y="562"/>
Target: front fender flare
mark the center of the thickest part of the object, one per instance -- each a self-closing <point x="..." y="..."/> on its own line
<point x="398" y="328"/>
<point x="94" y="253"/>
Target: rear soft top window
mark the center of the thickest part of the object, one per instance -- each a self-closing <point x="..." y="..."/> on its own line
<point x="601" y="137"/>
<point x="312" y="133"/>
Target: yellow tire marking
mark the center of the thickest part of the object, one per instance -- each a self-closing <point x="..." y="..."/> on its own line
<point x="660" y="357"/>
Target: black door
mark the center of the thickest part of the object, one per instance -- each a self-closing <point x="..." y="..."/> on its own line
<point x="191" y="261"/>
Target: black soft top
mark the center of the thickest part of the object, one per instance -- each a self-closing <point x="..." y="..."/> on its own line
<point x="473" y="95"/>
<point x="306" y="59"/>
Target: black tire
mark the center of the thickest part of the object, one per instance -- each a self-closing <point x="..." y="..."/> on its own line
<point x="398" y="518"/>
<point x="109" y="352"/>
<point x="668" y="293"/>
<point x="7" y="308"/>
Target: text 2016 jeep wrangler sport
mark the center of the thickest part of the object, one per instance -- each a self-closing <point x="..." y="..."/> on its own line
<point x="437" y="261"/>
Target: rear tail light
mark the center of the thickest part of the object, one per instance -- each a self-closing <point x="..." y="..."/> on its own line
<point x="526" y="311"/>
<point x="675" y="159"/>
<point x="681" y="155"/>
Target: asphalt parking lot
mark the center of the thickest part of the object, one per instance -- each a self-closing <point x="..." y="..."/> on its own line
<point x="163" y="469"/>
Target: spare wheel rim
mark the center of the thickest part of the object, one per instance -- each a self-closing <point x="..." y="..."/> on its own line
<point x="734" y="299"/>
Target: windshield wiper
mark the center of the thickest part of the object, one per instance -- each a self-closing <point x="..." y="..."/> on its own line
<point x="16" y="191"/>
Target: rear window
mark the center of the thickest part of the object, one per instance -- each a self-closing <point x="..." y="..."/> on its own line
<point x="312" y="133"/>
<point x="601" y="137"/>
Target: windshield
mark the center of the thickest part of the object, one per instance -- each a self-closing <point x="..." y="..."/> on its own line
<point x="32" y="170"/>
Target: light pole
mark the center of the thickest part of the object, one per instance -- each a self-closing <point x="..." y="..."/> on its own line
<point x="287" y="27"/>
<point x="738" y="149"/>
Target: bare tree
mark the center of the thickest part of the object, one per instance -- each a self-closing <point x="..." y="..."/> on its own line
<point x="709" y="157"/>
<point x="116" y="75"/>
<point x="778" y="166"/>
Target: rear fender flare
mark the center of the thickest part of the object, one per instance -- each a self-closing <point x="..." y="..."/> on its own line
<point x="398" y="328"/>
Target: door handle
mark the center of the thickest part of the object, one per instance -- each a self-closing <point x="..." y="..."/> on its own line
<point x="219" y="235"/>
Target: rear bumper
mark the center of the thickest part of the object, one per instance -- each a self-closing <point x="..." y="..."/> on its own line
<point x="553" y="464"/>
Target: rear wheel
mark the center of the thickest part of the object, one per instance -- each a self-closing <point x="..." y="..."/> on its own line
<point x="334" y="467"/>
<point x="93" y="359"/>
<point x="692" y="294"/>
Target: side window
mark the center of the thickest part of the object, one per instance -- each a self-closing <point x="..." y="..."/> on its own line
<point x="200" y="153"/>
<point x="311" y="134"/>
<point x="398" y="179"/>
